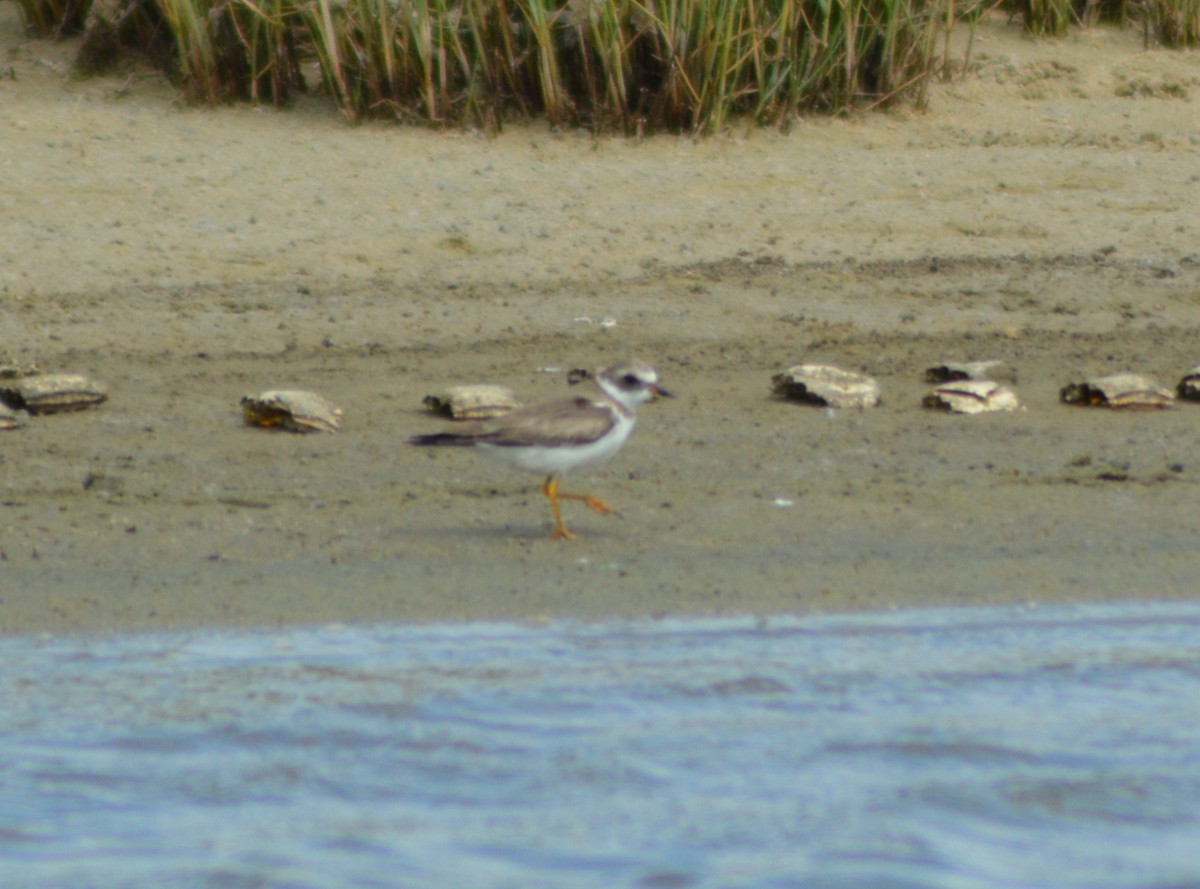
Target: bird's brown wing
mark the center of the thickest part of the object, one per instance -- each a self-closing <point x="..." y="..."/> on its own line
<point x="565" y="422"/>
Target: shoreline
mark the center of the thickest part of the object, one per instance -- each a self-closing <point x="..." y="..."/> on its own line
<point x="186" y="257"/>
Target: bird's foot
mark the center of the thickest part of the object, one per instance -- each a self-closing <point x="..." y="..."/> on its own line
<point x="598" y="505"/>
<point x="593" y="503"/>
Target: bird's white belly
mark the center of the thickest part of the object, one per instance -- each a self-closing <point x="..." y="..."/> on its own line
<point x="559" y="459"/>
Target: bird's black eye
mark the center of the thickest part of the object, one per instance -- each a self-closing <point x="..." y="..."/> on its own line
<point x="630" y="381"/>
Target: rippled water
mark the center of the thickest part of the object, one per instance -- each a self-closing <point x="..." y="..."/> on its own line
<point x="970" y="748"/>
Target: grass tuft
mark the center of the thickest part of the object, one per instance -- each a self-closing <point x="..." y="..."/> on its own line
<point x="624" y="64"/>
<point x="609" y="65"/>
<point x="1176" y="23"/>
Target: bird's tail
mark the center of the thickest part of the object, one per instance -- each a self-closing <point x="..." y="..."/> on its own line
<point x="443" y="439"/>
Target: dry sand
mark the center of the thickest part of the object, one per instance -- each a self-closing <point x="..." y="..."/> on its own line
<point x="1044" y="211"/>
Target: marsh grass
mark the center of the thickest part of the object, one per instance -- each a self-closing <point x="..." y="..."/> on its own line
<point x="625" y="64"/>
<point x="236" y="49"/>
<point x="54" y="18"/>
<point x="1048" y="18"/>
<point x="1175" y="22"/>
<point x="610" y="65"/>
<point x="261" y="41"/>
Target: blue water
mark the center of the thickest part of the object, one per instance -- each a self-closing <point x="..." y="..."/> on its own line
<point x="966" y="748"/>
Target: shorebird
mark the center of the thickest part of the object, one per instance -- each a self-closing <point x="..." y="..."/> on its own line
<point x="560" y="436"/>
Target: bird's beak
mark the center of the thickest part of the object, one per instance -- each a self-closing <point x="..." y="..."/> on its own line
<point x="660" y="392"/>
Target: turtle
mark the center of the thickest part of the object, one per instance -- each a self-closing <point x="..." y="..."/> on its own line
<point x="11" y="370"/>
<point x="295" y="410"/>
<point x="972" y="397"/>
<point x="9" y="419"/>
<point x="52" y="393"/>
<point x="826" y="386"/>
<point x="952" y="371"/>
<point x="472" y="401"/>
<point x="577" y="375"/>
<point x="1124" y="391"/>
<point x="1189" y="387"/>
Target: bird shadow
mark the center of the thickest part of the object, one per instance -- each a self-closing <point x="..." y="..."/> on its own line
<point x="521" y="533"/>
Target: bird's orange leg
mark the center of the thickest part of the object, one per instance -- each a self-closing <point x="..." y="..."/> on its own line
<point x="550" y="489"/>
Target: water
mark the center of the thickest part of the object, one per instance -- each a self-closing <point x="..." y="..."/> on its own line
<point x="972" y="748"/>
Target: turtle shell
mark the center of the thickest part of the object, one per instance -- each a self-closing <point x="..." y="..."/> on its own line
<point x="53" y="393"/>
<point x="1123" y="391"/>
<point x="1189" y="386"/>
<point x="972" y="397"/>
<point x="476" y="401"/>
<point x="295" y="410"/>
<point x="826" y="386"/>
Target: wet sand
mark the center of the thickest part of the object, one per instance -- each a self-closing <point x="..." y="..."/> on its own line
<point x="1044" y="212"/>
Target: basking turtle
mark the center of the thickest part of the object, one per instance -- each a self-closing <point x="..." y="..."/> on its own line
<point x="577" y="375"/>
<point x="972" y="397"/>
<point x="52" y="393"/>
<point x="1123" y="391"/>
<point x="295" y="410"/>
<point x="1189" y="386"/>
<point x="477" y="401"/>
<point x="826" y="386"/>
<point x="9" y="419"/>
<point x="12" y="370"/>
<point x="952" y="371"/>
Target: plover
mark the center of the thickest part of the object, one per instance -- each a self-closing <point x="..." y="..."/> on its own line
<point x="559" y="436"/>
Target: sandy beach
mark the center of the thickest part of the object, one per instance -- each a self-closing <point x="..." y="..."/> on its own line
<point x="1043" y="211"/>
